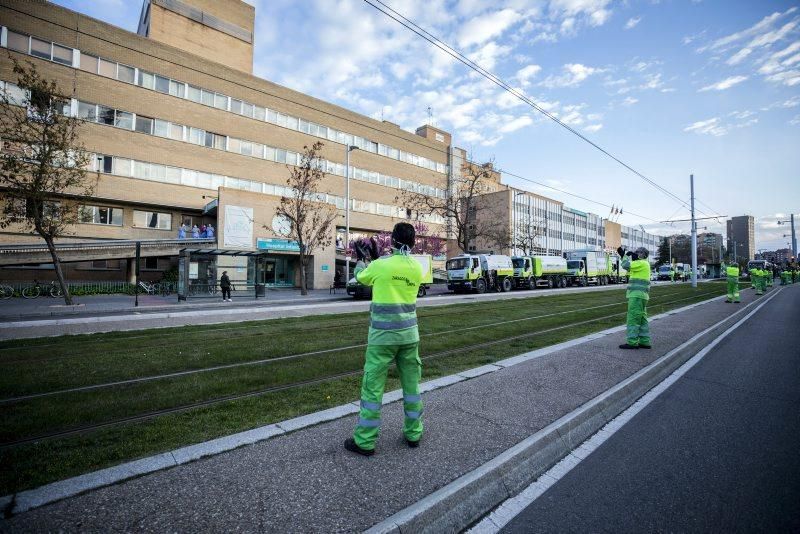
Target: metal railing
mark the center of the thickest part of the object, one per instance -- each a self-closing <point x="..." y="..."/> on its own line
<point x="105" y="244"/>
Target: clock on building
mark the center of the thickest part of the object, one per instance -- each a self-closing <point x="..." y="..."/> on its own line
<point x="281" y="225"/>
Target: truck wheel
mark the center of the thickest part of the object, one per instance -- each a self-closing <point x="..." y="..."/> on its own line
<point x="549" y="283"/>
<point x="420" y="292"/>
<point x="562" y="282"/>
<point x="505" y="285"/>
<point x="531" y="283"/>
<point x="480" y="285"/>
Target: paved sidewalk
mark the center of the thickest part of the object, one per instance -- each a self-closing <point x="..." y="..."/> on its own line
<point x="304" y="481"/>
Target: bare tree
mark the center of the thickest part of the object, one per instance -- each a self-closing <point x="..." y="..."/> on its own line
<point x="472" y="219"/>
<point x="527" y="237"/>
<point x="311" y="219"/>
<point x="43" y="165"/>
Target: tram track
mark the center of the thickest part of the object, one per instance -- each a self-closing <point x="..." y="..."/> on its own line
<point x="86" y="429"/>
<point x="289" y="357"/>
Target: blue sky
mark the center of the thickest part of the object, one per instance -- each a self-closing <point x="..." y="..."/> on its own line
<point x="672" y="87"/>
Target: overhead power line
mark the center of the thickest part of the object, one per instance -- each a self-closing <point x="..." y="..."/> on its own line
<point x="412" y="26"/>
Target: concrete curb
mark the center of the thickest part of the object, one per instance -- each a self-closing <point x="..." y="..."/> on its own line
<point x="55" y="491"/>
<point x="465" y="500"/>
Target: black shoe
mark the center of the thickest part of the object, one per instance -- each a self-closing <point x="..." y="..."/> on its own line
<point x="645" y="346"/>
<point x="412" y="444"/>
<point x="626" y="346"/>
<point x="350" y="445"/>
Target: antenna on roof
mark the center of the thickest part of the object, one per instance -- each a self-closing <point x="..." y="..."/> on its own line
<point x="430" y="114"/>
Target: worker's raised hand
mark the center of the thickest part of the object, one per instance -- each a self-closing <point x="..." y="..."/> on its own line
<point x="361" y="254"/>
<point x="621" y="252"/>
<point x="373" y="249"/>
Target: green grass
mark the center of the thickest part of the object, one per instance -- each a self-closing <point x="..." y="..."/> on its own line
<point x="49" y="365"/>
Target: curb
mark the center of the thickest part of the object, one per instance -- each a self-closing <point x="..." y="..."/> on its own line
<point x="70" y="487"/>
<point x="465" y="500"/>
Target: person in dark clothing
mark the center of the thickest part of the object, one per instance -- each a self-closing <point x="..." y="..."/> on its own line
<point x="225" y="285"/>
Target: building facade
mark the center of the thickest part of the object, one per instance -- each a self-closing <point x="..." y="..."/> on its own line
<point x="741" y="237"/>
<point x="181" y="133"/>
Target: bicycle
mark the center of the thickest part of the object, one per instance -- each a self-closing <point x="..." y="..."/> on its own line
<point x="6" y="291"/>
<point x="34" y="291"/>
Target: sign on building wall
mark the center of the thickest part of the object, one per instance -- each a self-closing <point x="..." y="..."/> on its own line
<point x="238" y="229"/>
<point x="278" y="244"/>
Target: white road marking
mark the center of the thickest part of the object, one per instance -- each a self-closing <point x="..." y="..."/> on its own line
<point x="510" y="508"/>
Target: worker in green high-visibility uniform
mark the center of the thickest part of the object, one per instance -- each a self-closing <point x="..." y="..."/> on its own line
<point x="732" y="272"/>
<point x="784" y="277"/>
<point x="759" y="281"/>
<point x="638" y="293"/>
<point x="672" y="273"/>
<point x="393" y="338"/>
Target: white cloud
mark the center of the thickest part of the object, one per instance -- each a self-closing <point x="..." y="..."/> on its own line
<point x="516" y="124"/>
<point x="632" y="22"/>
<point x="760" y="28"/>
<point x="774" y="64"/>
<point x="629" y="101"/>
<point x="739" y="56"/>
<point x="709" y="127"/>
<point x="486" y="26"/>
<point x="488" y="54"/>
<point x="795" y="121"/>
<point x="727" y="83"/>
<point x="593" y="128"/>
<point x="595" y="12"/>
<point x="789" y="77"/>
<point x="574" y="74"/>
<point x="525" y="74"/>
<point x="742" y="114"/>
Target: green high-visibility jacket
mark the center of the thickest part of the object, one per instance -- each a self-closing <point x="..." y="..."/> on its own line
<point x="395" y="281"/>
<point x="638" y="278"/>
<point x="732" y="272"/>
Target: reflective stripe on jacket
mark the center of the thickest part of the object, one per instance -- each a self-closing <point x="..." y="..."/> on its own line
<point x="733" y="273"/>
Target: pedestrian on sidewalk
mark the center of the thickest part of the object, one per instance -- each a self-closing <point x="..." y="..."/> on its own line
<point x="732" y="272"/>
<point x="393" y="337"/>
<point x="638" y="293"/>
<point x="225" y="285"/>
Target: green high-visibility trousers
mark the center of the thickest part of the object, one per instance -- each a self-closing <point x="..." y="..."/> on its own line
<point x="733" y="290"/>
<point x="638" y="331"/>
<point x="376" y="367"/>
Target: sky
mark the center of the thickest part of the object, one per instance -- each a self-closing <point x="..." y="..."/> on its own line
<point x="670" y="87"/>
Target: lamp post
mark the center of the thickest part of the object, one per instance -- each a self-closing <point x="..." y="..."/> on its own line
<point x="350" y="148"/>
<point x="794" y="236"/>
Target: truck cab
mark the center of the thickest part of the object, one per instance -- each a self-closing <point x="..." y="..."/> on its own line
<point x="523" y="272"/>
<point x="577" y="271"/>
<point x="479" y="273"/>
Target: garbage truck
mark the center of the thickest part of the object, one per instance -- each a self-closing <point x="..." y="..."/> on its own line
<point x="531" y="272"/>
<point x="595" y="267"/>
<point x="360" y="291"/>
<point x="479" y="273"/>
<point x="617" y="273"/>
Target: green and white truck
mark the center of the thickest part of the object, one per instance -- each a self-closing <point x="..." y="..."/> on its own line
<point x="359" y="290"/>
<point x="589" y="266"/>
<point x="479" y="273"/>
<point x="531" y="272"/>
<point x="619" y="275"/>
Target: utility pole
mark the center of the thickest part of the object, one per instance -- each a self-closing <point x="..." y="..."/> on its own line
<point x="794" y="238"/>
<point x="694" y="235"/>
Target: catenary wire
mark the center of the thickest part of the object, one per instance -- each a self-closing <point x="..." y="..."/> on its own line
<point x="268" y="93"/>
<point x="412" y="26"/>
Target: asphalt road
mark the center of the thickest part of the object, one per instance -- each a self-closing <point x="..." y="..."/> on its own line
<point x="719" y="451"/>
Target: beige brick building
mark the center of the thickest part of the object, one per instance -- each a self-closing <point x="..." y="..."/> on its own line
<point x="181" y="132"/>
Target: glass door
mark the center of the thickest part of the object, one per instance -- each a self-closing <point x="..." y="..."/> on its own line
<point x="284" y="272"/>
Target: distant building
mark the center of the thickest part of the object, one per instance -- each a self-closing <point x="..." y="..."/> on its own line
<point x="779" y="257"/>
<point x="709" y="248"/>
<point x="741" y="237"/>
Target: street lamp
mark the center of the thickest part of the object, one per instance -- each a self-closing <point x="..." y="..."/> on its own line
<point x="794" y="238"/>
<point x="350" y="148"/>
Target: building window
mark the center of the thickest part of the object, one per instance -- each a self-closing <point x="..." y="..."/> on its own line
<point x="152" y="219"/>
<point x="105" y="115"/>
<point x="107" y="68"/>
<point x="87" y="112"/>
<point x="88" y="63"/>
<point x="126" y="74"/>
<point x="146" y="79"/>
<point x="144" y="124"/>
<point x="62" y="54"/>
<point x="18" y="41"/>
<point x="40" y="48"/>
<point x="150" y="264"/>
<point x="194" y="94"/>
<point x="123" y="119"/>
<point x="105" y="163"/>
<point x="162" y="84"/>
<point x="100" y="215"/>
<point x="176" y="88"/>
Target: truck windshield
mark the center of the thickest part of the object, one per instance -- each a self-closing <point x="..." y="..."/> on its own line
<point x="518" y="262"/>
<point x="664" y="269"/>
<point x="574" y="264"/>
<point x="458" y="263"/>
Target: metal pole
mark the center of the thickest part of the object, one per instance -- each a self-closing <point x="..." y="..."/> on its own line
<point x="513" y="221"/>
<point x="694" y="235"/>
<point x="138" y="256"/>
<point x="794" y="238"/>
<point x="347" y="216"/>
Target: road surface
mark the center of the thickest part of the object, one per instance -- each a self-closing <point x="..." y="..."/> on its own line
<point x="717" y="451"/>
